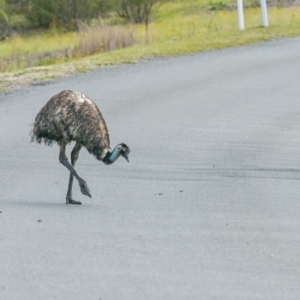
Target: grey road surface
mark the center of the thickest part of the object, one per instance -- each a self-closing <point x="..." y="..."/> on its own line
<point x="207" y="208"/>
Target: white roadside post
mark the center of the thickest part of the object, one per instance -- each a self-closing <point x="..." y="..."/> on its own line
<point x="241" y="14"/>
<point x="264" y="13"/>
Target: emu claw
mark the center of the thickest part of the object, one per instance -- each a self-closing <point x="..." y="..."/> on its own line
<point x="84" y="188"/>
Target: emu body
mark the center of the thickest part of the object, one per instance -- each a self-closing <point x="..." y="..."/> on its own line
<point x="72" y="116"/>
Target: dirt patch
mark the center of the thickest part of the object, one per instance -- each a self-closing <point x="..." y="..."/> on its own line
<point x="37" y="75"/>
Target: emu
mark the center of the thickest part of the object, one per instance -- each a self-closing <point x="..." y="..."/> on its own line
<point x="72" y="116"/>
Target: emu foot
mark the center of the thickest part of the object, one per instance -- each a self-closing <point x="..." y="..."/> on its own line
<point x="71" y="201"/>
<point x="84" y="188"/>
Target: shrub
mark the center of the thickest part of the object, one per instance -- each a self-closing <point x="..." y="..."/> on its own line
<point x="137" y="11"/>
<point x="4" y="27"/>
<point x="66" y="13"/>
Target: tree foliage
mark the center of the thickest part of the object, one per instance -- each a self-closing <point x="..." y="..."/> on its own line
<point x="3" y="15"/>
<point x="4" y="28"/>
<point x="137" y="11"/>
<point x="18" y="6"/>
<point x="43" y="12"/>
<point x="66" y="13"/>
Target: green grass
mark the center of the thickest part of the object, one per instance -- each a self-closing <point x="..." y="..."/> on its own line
<point x="180" y="27"/>
<point x="37" y="43"/>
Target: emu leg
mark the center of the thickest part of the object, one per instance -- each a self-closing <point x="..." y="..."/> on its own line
<point x="74" y="157"/>
<point x="64" y="160"/>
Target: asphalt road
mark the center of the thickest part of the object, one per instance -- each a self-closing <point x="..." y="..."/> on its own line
<point x="207" y="208"/>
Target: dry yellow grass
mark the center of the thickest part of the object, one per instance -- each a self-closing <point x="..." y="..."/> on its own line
<point x="104" y="38"/>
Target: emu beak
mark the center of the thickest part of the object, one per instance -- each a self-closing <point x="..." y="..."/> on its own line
<point x="125" y="156"/>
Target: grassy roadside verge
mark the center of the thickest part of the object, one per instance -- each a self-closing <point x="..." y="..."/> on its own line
<point x="180" y="27"/>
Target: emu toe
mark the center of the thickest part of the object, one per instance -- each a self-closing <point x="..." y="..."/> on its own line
<point x="71" y="201"/>
<point x="84" y="188"/>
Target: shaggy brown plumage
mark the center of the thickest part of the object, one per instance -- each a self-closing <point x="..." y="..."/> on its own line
<point x="72" y="116"/>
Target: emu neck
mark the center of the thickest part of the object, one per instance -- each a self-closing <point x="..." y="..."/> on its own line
<point x="111" y="157"/>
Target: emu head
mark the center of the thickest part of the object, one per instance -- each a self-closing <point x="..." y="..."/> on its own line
<point x="124" y="150"/>
<point x="119" y="150"/>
